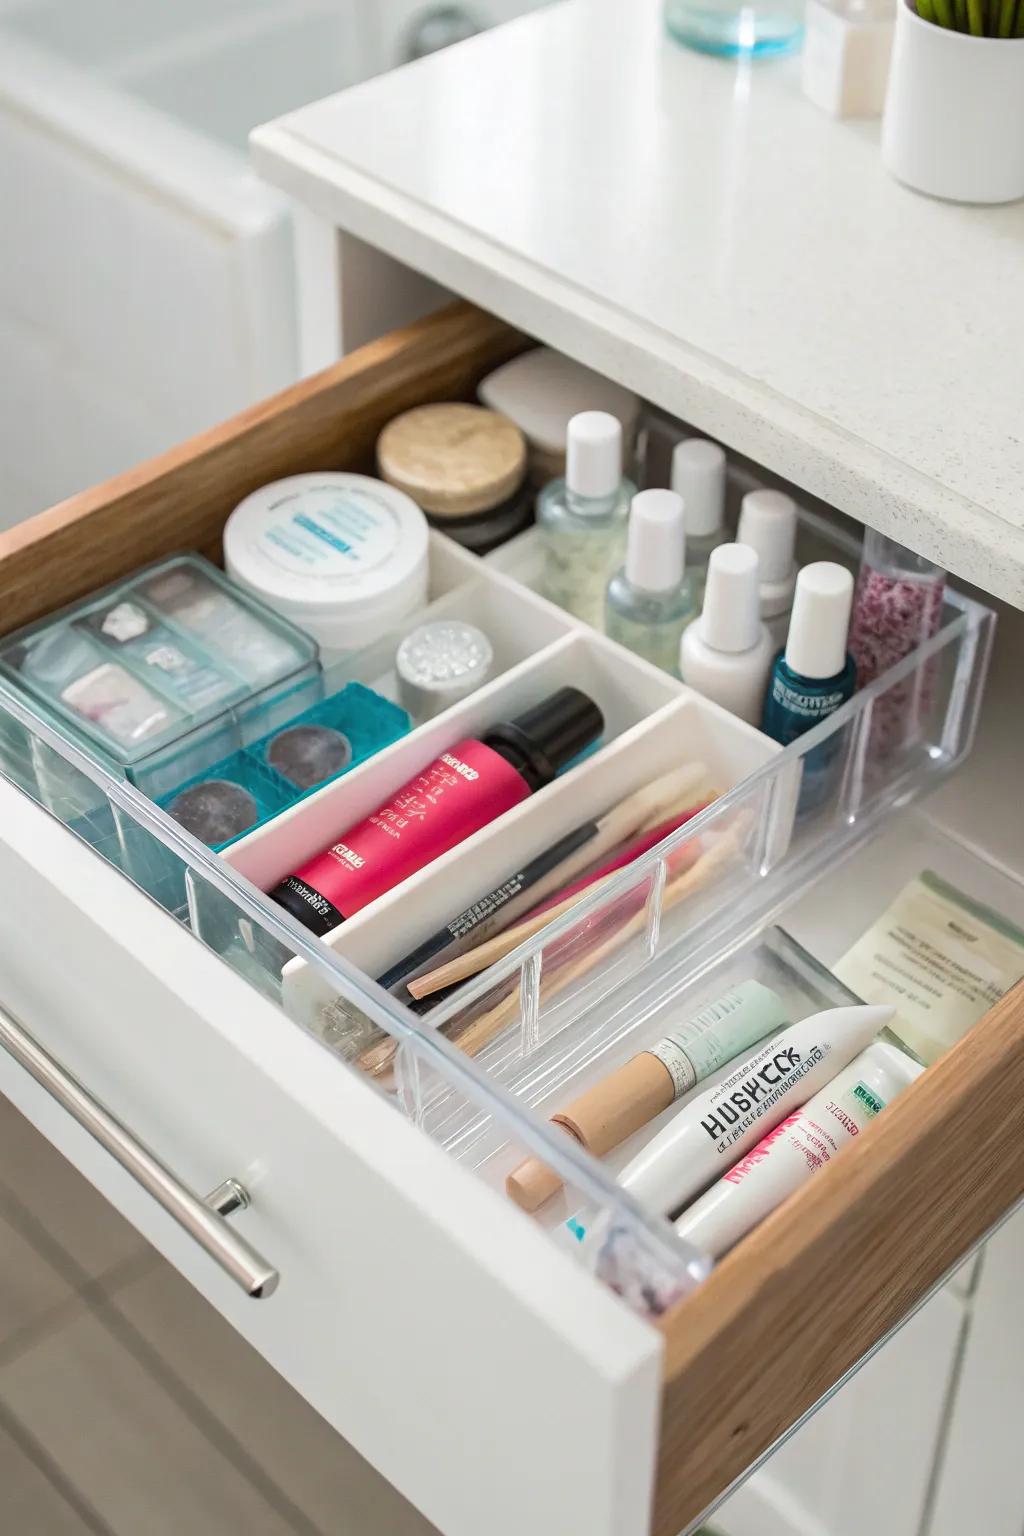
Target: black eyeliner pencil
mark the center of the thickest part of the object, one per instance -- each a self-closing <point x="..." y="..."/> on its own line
<point x="553" y="868"/>
<point x="483" y="917"/>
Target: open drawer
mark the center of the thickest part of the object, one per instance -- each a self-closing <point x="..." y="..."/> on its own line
<point x="456" y="1342"/>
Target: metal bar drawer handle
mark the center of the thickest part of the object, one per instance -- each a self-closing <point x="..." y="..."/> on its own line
<point x="202" y="1219"/>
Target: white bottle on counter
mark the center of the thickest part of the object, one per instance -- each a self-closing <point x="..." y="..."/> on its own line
<point x="847" y="49"/>
<point x="726" y="654"/>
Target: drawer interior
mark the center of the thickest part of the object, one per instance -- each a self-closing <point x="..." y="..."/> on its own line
<point x="598" y="984"/>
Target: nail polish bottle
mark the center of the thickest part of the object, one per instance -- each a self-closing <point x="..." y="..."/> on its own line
<point x="815" y="674"/>
<point x="698" y="476"/>
<point x="726" y="654"/>
<point x="768" y="524"/>
<point x="650" y="601"/>
<point x="582" y="518"/>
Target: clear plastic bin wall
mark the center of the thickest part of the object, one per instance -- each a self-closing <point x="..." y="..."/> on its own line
<point x="594" y="983"/>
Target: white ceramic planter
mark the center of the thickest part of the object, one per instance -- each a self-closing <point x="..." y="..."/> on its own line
<point x="954" y="112"/>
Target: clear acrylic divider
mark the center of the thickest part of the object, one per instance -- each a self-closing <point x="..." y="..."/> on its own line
<point x="275" y="937"/>
<point x="574" y="994"/>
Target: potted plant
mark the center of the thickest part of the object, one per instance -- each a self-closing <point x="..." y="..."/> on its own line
<point x="954" y="112"/>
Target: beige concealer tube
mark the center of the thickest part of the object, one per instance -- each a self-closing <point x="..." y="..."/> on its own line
<point x="631" y="1097"/>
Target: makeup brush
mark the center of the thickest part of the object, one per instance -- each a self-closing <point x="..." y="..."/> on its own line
<point x="484" y="1029"/>
<point x="549" y="872"/>
<point x="483" y="955"/>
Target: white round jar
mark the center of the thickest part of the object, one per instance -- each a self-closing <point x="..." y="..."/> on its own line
<point x="343" y="556"/>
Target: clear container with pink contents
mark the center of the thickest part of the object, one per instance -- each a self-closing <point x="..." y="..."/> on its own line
<point x="897" y="607"/>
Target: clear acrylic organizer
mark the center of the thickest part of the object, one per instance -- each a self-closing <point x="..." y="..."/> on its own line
<point x="666" y="934"/>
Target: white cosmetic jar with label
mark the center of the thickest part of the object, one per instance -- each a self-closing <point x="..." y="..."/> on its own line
<point x="343" y="556"/>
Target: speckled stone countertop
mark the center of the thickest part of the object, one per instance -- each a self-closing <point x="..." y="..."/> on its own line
<point x="700" y="232"/>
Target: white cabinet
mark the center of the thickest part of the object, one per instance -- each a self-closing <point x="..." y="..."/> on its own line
<point x="980" y="1478"/>
<point x="865" y="1461"/>
<point x="453" y="1341"/>
<point x="709" y="240"/>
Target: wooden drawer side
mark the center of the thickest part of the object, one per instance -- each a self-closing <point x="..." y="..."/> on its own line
<point x="181" y="499"/>
<point x="800" y="1301"/>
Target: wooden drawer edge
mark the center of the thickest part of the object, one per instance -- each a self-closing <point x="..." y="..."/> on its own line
<point x="181" y="499"/>
<point x="801" y="1300"/>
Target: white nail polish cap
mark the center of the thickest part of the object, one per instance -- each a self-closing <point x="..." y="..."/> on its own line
<point x="731" y="620"/>
<point x="768" y="525"/>
<point x="698" y="476"/>
<point x="816" y="646"/>
<point x="593" y="454"/>
<point x="656" y="541"/>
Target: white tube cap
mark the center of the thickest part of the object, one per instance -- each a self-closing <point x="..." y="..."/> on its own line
<point x="593" y="454"/>
<point x="768" y="525"/>
<point x="698" y="476"/>
<point x="816" y="646"/>
<point x="731" y="619"/>
<point x="656" y="546"/>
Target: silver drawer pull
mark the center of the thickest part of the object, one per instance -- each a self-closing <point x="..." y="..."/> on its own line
<point x="202" y="1219"/>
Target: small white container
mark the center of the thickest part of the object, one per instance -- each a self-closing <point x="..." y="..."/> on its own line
<point x="954" y="112"/>
<point x="343" y="556"/>
<point x="541" y="391"/>
<point x="846" y="56"/>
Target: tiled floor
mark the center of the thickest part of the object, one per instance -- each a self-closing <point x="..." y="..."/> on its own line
<point x="128" y="1406"/>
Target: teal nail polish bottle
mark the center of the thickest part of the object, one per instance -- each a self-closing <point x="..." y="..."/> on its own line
<point x="815" y="674"/>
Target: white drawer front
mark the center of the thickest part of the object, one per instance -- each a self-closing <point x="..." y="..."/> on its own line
<point x="434" y="1326"/>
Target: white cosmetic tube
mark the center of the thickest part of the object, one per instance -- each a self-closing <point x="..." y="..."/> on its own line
<point x="795" y="1150"/>
<point x="712" y="1130"/>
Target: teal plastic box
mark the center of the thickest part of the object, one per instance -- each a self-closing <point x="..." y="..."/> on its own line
<point x="165" y="673"/>
<point x="287" y="764"/>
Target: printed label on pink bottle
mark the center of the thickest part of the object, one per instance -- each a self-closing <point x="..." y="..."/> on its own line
<point x="460" y="792"/>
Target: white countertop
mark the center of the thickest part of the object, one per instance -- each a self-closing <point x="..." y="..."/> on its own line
<point x="700" y="232"/>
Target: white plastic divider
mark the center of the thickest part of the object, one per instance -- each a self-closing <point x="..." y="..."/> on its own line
<point x="687" y="729"/>
<point x="625" y="690"/>
<point x="518" y="625"/>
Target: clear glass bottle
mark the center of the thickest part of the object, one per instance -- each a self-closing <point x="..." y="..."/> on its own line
<point x="582" y="518"/>
<point x="651" y="600"/>
<point x="698" y="476"/>
<point x="748" y="27"/>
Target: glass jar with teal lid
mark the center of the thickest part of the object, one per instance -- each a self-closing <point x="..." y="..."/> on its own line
<point x="753" y="28"/>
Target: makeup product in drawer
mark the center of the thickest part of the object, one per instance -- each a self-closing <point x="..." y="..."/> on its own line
<point x="611" y="1111"/>
<point x="482" y="955"/>
<point x="707" y="1135"/>
<point x="797" y="1148"/>
<point x="250" y="787"/>
<point x="465" y="466"/>
<point x="343" y="555"/>
<point x="463" y="789"/>
<point x="541" y="391"/>
<point x="439" y="663"/>
<point x="940" y="957"/>
<point x="166" y="673"/>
